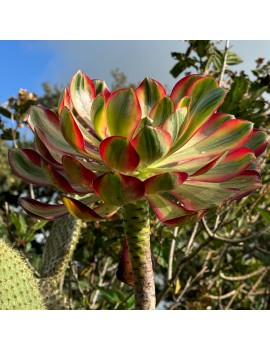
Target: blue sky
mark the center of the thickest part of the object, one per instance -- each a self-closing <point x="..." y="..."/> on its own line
<point x="26" y="64"/>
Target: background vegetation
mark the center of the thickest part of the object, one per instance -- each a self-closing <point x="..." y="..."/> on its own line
<point x="221" y="262"/>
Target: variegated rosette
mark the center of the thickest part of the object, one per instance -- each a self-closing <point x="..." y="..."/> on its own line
<point x="103" y="150"/>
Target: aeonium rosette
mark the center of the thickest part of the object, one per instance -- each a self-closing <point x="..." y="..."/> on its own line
<point x="105" y="149"/>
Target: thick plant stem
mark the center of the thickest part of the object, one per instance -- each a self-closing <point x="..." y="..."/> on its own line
<point x="137" y="228"/>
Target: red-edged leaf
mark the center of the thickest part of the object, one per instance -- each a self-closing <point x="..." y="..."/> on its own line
<point x="175" y="222"/>
<point x="151" y="144"/>
<point x="64" y="100"/>
<point x="56" y="179"/>
<point x="165" y="209"/>
<point x="164" y="182"/>
<point x="212" y="124"/>
<point x="258" y="142"/>
<point x="82" y="93"/>
<point x="232" y="165"/>
<point x="149" y="92"/>
<point x="203" y="110"/>
<point x="118" y="189"/>
<point x="44" y="152"/>
<point x="98" y="116"/>
<point x="47" y="125"/>
<point x="26" y="164"/>
<point x="146" y="121"/>
<point x="199" y="88"/>
<point x="231" y="135"/>
<point x="255" y="166"/>
<point x="71" y="131"/>
<point x="197" y="195"/>
<point x="246" y="183"/>
<point x="40" y="210"/>
<point x="119" y="154"/>
<point x="179" y="90"/>
<point x="174" y="122"/>
<point x="101" y="88"/>
<point x="123" y="113"/>
<point x="80" y="210"/>
<point x="77" y="136"/>
<point x="124" y="270"/>
<point x="105" y="210"/>
<point x="161" y="111"/>
<point x="78" y="173"/>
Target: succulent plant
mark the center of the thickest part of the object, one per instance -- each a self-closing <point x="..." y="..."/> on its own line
<point x="19" y="289"/>
<point x="133" y="148"/>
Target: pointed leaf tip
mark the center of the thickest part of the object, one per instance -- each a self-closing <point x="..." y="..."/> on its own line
<point x="79" y="210"/>
<point x="123" y="113"/>
<point x="26" y="164"/>
<point x="151" y="144"/>
<point x="82" y="93"/>
<point x="40" y="210"/>
<point x="71" y="131"/>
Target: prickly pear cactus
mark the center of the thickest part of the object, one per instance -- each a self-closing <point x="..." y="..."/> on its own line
<point x="59" y="246"/>
<point x="18" y="286"/>
<point x="53" y="297"/>
<point x="57" y="254"/>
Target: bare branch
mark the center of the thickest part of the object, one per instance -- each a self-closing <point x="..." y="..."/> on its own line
<point x="241" y="277"/>
<point x="232" y="241"/>
<point x="170" y="260"/>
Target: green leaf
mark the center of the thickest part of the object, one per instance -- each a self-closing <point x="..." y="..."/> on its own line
<point x="98" y="116"/>
<point x="47" y="125"/>
<point x="71" y="131"/>
<point x="101" y="87"/>
<point x="118" y="153"/>
<point x="203" y="110"/>
<point x="149" y="93"/>
<point x="42" y="211"/>
<point x="56" y="179"/>
<point x="164" y="182"/>
<point x="9" y="134"/>
<point x="123" y="113"/>
<point x="118" y="189"/>
<point x="35" y="227"/>
<point x="258" y="142"/>
<point x="19" y="221"/>
<point x="265" y="215"/>
<point x="80" y="210"/>
<point x="233" y="58"/>
<point x="161" y="111"/>
<point x="78" y="173"/>
<point x="82" y="93"/>
<point x="238" y="88"/>
<point x="174" y="122"/>
<point x="230" y="166"/>
<point x="199" y="88"/>
<point x="64" y="100"/>
<point x="165" y="209"/>
<point x="5" y="112"/>
<point x="230" y="135"/>
<point x="197" y="195"/>
<point x="26" y="164"/>
<point x="180" y="88"/>
<point x="152" y="144"/>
